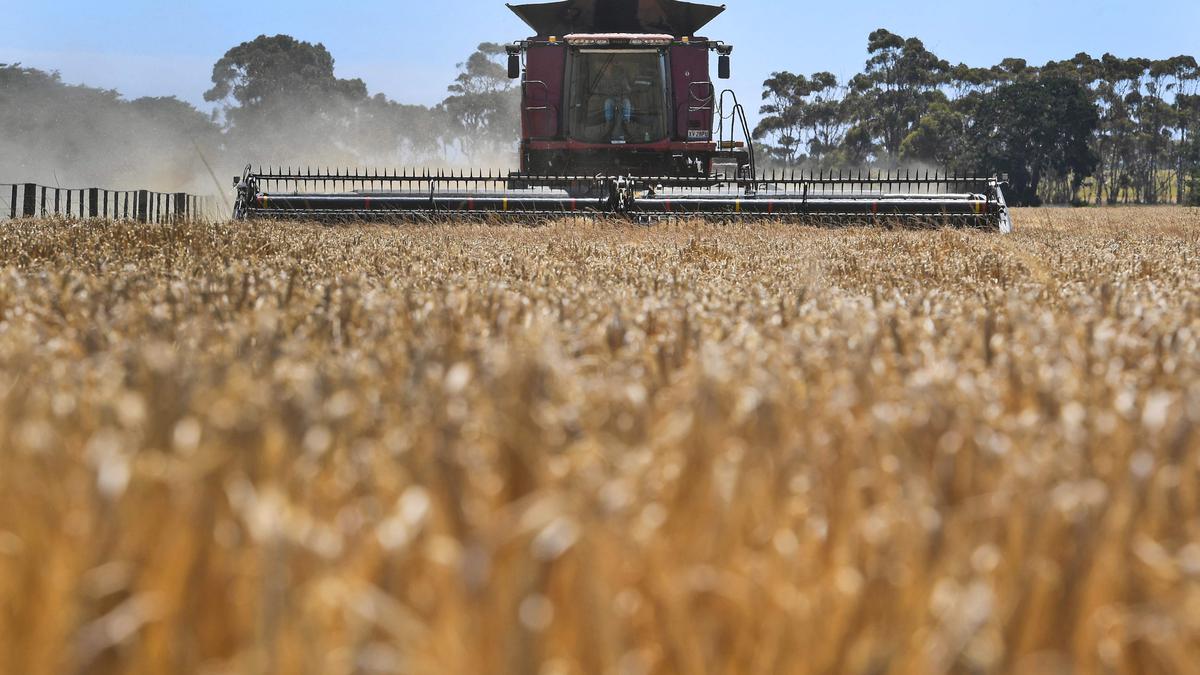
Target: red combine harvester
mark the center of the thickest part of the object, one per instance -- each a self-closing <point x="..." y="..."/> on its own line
<point x="620" y="116"/>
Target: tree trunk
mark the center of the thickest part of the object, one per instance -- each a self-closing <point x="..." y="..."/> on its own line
<point x="1179" y="169"/>
<point x="1152" y="179"/>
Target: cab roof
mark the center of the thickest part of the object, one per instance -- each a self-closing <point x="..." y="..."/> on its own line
<point x="671" y="17"/>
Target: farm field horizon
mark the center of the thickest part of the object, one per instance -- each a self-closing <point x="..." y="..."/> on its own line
<point x="598" y="447"/>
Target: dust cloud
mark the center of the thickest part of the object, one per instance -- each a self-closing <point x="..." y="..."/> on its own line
<point x="75" y="136"/>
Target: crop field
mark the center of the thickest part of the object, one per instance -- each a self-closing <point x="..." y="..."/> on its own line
<point x="595" y="448"/>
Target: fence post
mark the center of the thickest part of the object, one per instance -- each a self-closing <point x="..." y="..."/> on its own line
<point x="29" y="208"/>
<point x="43" y="209"/>
<point x="105" y="209"/>
<point x="12" y="204"/>
<point x="94" y="202"/>
<point x="67" y="213"/>
<point x="143" y="206"/>
<point x="57" y="200"/>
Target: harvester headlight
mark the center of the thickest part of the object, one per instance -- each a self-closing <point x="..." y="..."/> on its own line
<point x="587" y="41"/>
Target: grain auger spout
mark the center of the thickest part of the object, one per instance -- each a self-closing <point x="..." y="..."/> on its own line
<point x="617" y="119"/>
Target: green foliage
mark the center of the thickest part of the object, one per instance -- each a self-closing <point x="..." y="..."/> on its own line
<point x="73" y="135"/>
<point x="1031" y="129"/>
<point x="282" y="100"/>
<point x="1106" y="129"/>
<point x="483" y="106"/>
<point x="805" y="117"/>
<point x="901" y="81"/>
<point x="279" y="102"/>
<point x="270" y="72"/>
<point x="938" y="136"/>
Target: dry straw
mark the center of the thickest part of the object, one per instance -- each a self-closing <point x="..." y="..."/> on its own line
<point x="601" y="449"/>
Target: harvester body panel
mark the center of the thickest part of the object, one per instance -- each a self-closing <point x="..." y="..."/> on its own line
<point x="693" y="93"/>
<point x="542" y="92"/>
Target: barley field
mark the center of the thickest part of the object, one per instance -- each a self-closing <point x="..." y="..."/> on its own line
<point x="594" y="448"/>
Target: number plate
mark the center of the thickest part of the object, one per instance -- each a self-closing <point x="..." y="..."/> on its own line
<point x="697" y="134"/>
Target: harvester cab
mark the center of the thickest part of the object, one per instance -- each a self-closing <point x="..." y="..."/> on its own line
<point x="638" y="101"/>
<point x="620" y="115"/>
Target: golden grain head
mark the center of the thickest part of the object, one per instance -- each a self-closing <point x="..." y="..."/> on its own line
<point x="588" y="447"/>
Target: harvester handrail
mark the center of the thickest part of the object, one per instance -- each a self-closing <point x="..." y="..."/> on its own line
<point x="736" y="114"/>
<point x="546" y="105"/>
<point x="699" y="103"/>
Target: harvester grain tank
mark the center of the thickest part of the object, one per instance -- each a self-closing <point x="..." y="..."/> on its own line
<point x="620" y="115"/>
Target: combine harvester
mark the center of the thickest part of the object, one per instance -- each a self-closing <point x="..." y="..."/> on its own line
<point x="620" y="116"/>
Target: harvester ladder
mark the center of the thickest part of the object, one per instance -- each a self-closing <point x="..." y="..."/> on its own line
<point x="733" y="111"/>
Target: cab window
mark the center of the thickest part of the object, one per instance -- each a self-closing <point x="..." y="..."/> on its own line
<point x="617" y="96"/>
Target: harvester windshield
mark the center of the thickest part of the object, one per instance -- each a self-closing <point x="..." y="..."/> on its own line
<point x="618" y="96"/>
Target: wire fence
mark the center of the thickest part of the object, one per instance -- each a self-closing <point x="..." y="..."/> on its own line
<point x="30" y="200"/>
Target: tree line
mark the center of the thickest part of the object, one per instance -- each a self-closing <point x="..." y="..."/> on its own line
<point x="276" y="101"/>
<point x="1102" y="130"/>
<point x="273" y="93"/>
<point x="1084" y="130"/>
<point x="78" y="136"/>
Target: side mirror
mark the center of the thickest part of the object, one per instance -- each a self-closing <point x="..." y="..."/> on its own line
<point x="723" y="66"/>
<point x="514" y="66"/>
<point x="236" y="180"/>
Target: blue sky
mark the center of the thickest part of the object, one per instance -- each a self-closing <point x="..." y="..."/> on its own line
<point x="408" y="49"/>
